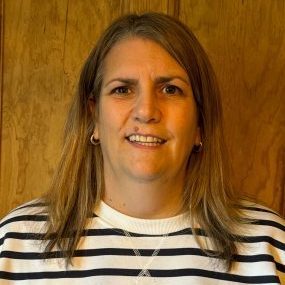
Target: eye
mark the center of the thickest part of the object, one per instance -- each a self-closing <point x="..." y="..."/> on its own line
<point x="172" y="89"/>
<point x="121" y="90"/>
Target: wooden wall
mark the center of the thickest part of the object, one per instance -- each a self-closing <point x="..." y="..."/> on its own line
<point x="44" y="43"/>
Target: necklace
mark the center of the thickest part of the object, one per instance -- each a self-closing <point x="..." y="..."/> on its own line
<point x="145" y="271"/>
<point x="143" y="262"/>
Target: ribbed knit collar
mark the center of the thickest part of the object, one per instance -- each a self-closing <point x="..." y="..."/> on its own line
<point x="115" y="219"/>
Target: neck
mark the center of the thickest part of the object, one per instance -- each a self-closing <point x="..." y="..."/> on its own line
<point x="146" y="199"/>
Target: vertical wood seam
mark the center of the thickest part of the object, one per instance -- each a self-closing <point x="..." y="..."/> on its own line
<point x="1" y="77"/>
<point x="64" y="47"/>
<point x="176" y="11"/>
<point x="173" y="8"/>
<point x="282" y="200"/>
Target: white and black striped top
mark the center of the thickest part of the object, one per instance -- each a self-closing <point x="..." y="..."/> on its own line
<point x="106" y="254"/>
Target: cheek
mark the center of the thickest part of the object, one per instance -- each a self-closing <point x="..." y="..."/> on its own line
<point x="185" y="123"/>
<point x="109" y="124"/>
<point x="186" y="134"/>
<point x="114" y="114"/>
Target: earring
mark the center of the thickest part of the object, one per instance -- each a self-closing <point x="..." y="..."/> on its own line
<point x="198" y="148"/>
<point x="94" y="141"/>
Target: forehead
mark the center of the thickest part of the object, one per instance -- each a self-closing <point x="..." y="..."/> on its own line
<point x="140" y="55"/>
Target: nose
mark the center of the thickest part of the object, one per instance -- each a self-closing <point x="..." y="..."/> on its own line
<point x="147" y="108"/>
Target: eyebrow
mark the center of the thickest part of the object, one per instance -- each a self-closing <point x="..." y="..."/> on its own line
<point x="158" y="80"/>
<point x="163" y="79"/>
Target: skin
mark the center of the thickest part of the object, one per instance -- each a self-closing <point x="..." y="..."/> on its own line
<point x="145" y="92"/>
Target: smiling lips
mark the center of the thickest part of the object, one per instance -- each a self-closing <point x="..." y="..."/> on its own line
<point x="146" y="140"/>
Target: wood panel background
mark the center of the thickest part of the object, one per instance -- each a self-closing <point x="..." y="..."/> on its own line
<point x="43" y="46"/>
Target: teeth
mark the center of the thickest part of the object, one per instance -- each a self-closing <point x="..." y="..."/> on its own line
<point x="144" y="139"/>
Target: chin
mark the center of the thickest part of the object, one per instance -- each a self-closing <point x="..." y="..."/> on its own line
<point x="146" y="176"/>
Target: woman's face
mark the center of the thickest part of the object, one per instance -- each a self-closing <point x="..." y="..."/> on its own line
<point x="147" y="121"/>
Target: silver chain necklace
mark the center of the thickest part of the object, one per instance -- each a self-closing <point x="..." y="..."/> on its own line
<point x="145" y="271"/>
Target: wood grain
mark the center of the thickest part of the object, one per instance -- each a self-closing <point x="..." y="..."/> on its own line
<point x="1" y="70"/>
<point x="246" y="44"/>
<point x="46" y="42"/>
<point x="33" y="99"/>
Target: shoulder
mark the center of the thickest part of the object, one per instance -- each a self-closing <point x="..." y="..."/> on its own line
<point x="264" y="228"/>
<point x="261" y="215"/>
<point x="25" y="212"/>
<point x="23" y="222"/>
<point x="264" y="218"/>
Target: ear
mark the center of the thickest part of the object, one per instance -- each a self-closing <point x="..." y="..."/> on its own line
<point x="91" y="105"/>
<point x="93" y="110"/>
<point x="198" y="136"/>
<point x="96" y="132"/>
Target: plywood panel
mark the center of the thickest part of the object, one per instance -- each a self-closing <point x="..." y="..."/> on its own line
<point x="137" y="6"/>
<point x="46" y="42"/>
<point x="246" y="43"/>
<point x="1" y="69"/>
<point x="45" y="45"/>
<point x="33" y="97"/>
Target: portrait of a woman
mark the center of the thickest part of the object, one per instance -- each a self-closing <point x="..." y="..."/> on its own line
<point x="141" y="194"/>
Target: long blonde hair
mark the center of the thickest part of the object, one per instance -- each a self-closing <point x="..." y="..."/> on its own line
<point x="78" y="181"/>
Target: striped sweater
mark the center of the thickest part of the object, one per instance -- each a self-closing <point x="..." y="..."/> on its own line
<point x="118" y="249"/>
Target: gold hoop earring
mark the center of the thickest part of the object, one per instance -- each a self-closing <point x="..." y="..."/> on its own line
<point x="198" y="148"/>
<point x="94" y="141"/>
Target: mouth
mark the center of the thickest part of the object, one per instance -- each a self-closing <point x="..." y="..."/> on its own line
<point x="146" y="140"/>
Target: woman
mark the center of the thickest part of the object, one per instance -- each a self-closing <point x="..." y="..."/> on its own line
<point x="141" y="194"/>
